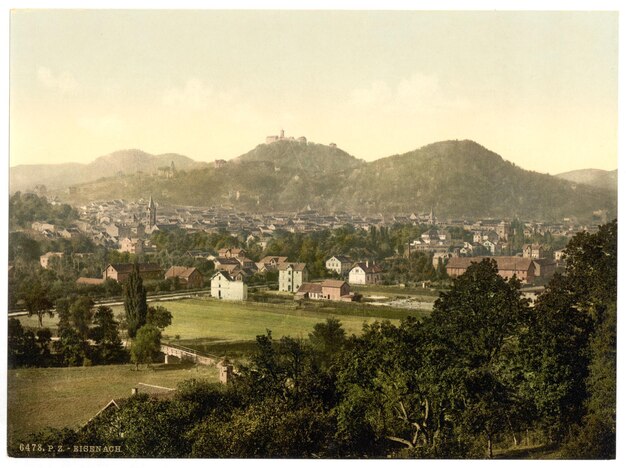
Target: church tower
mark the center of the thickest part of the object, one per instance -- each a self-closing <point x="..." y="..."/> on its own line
<point x="151" y="213"/>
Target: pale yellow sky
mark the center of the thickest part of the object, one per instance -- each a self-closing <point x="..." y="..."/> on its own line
<point x="538" y="88"/>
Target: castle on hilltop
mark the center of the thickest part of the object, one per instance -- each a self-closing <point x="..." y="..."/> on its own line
<point x="281" y="137"/>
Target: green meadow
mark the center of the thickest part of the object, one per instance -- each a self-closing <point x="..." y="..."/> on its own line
<point x="60" y="397"/>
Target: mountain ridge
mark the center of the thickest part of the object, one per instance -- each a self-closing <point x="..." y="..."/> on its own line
<point x="459" y="178"/>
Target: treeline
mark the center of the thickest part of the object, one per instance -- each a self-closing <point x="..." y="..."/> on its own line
<point x="88" y="334"/>
<point x="484" y="372"/>
<point x="25" y="208"/>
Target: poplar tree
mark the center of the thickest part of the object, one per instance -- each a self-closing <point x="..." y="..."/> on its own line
<point x="135" y="304"/>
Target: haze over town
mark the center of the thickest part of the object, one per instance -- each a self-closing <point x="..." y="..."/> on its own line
<point x="210" y="84"/>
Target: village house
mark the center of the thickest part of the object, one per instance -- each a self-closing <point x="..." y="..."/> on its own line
<point x="270" y="263"/>
<point x="134" y="246"/>
<point x="44" y="260"/>
<point x="71" y="232"/>
<point x="232" y="252"/>
<point x="533" y="251"/>
<point x="339" y="264"/>
<point x="188" y="277"/>
<point x="291" y="276"/>
<point x="120" y="271"/>
<point x="364" y="273"/>
<point x="330" y="290"/>
<point x="224" y="286"/>
<point x="228" y="264"/>
<point x="523" y="268"/>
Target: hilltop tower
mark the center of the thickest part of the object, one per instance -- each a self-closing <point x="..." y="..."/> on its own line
<point x="151" y="213"/>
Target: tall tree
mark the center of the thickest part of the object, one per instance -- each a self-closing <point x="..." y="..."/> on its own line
<point x="135" y="304"/>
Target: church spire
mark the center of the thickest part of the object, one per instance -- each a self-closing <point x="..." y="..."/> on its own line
<point x="151" y="213"/>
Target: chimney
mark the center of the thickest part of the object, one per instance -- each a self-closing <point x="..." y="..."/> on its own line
<point x="134" y="391"/>
<point x="367" y="263"/>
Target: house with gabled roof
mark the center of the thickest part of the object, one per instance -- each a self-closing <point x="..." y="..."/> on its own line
<point x="120" y="271"/>
<point x="291" y="276"/>
<point x="188" y="277"/>
<point x="339" y="264"/>
<point x="522" y="268"/>
<point x="365" y="273"/>
<point x="224" y="286"/>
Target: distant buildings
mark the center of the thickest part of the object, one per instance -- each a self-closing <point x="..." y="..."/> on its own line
<point x="274" y="138"/>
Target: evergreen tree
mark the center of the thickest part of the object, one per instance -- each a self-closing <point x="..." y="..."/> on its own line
<point x="135" y="304"/>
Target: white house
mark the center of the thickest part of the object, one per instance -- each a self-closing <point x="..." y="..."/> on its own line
<point x="224" y="286"/>
<point x="291" y="276"/>
<point x="340" y="264"/>
<point x="364" y="273"/>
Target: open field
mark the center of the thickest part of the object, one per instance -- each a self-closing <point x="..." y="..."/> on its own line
<point x="60" y="397"/>
<point x="236" y="321"/>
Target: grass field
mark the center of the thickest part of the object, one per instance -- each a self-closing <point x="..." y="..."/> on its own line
<point x="60" y="397"/>
<point x="215" y="320"/>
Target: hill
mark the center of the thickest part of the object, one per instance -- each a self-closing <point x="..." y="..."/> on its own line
<point x="58" y="176"/>
<point x="456" y="178"/>
<point x="464" y="179"/>
<point x="594" y="177"/>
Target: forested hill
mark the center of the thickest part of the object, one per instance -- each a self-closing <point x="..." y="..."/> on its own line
<point x="456" y="178"/>
<point x="58" y="176"/>
<point x="593" y="177"/>
<point x="462" y="178"/>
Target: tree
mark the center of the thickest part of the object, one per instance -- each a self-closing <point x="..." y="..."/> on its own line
<point x="37" y="300"/>
<point x="146" y="345"/>
<point x="327" y="338"/>
<point x="135" y="304"/>
<point x="80" y="315"/>
<point x="478" y="322"/>
<point x="159" y="316"/>
<point x="106" y="335"/>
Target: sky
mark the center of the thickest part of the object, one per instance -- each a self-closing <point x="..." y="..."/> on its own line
<point x="538" y="88"/>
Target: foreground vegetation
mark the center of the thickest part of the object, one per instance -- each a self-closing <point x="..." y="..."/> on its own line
<point x="69" y="397"/>
<point x="475" y="379"/>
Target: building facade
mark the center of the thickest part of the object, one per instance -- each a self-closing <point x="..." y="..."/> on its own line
<point x="225" y="287"/>
<point x="291" y="276"/>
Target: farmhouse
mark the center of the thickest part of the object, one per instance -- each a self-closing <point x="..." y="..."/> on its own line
<point x="120" y="271"/>
<point x="224" y="286"/>
<point x="364" y="273"/>
<point x="291" y="276"/>
<point x="188" y="277"/>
